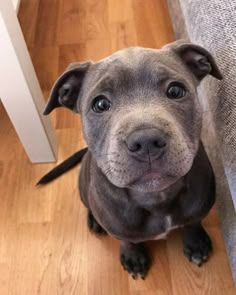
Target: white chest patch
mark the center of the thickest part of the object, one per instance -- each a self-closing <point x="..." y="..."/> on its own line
<point x="168" y="227"/>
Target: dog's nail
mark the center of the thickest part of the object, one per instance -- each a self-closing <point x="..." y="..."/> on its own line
<point x="199" y="265"/>
<point x="197" y="261"/>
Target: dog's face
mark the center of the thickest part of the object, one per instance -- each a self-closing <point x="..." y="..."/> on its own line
<point x="140" y="111"/>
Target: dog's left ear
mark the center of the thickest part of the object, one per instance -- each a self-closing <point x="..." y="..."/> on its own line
<point x="199" y="61"/>
<point x="66" y="89"/>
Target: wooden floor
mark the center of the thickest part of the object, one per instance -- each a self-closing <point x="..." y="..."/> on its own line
<point x="45" y="246"/>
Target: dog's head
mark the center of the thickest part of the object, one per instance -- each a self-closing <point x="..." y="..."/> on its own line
<point x="140" y="111"/>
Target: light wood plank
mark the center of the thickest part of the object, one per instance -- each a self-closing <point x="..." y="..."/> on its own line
<point x="28" y="19"/>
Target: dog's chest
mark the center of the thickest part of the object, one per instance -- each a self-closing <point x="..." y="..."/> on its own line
<point x="141" y="224"/>
<point x="157" y="216"/>
<point x="169" y="226"/>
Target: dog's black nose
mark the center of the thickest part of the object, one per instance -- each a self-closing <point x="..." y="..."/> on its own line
<point x="145" y="143"/>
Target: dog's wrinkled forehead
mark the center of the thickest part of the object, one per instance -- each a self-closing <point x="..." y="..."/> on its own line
<point x="136" y="67"/>
<point x="133" y="56"/>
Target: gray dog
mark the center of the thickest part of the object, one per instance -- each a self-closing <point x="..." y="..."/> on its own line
<point x="145" y="171"/>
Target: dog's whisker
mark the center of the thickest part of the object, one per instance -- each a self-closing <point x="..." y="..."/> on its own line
<point x="112" y="163"/>
<point x="109" y="154"/>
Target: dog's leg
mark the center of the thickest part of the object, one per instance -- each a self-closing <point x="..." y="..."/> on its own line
<point x="197" y="244"/>
<point x="93" y="224"/>
<point x="135" y="259"/>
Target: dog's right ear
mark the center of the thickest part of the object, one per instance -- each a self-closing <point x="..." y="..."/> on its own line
<point x="66" y="90"/>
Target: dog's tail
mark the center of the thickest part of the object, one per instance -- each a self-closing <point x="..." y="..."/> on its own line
<point x="66" y="165"/>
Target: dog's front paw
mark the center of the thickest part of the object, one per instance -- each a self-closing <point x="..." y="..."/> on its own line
<point x="197" y="245"/>
<point x="94" y="226"/>
<point x="135" y="259"/>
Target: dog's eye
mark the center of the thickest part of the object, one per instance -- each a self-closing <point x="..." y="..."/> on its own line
<point x="101" y="104"/>
<point x="175" y="90"/>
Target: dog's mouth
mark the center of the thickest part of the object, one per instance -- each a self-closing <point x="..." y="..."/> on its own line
<point x="152" y="180"/>
<point x="151" y="177"/>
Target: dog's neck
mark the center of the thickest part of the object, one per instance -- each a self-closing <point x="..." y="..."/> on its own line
<point x="152" y="199"/>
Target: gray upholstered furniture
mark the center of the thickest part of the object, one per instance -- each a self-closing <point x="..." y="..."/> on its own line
<point x="212" y="24"/>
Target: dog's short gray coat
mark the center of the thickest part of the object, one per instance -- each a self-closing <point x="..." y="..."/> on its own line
<point x="139" y="196"/>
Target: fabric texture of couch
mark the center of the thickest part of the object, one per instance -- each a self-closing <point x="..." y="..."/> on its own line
<point x="212" y="24"/>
